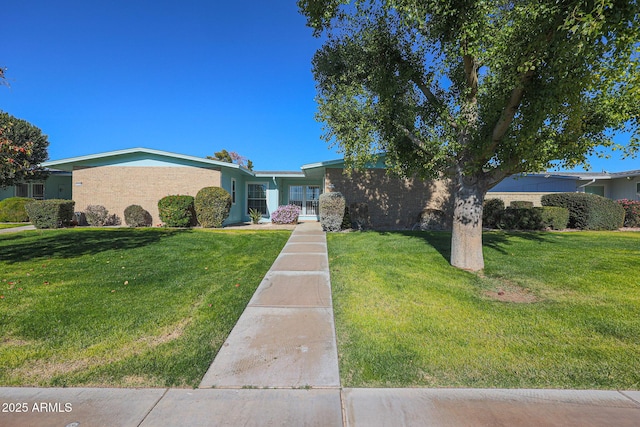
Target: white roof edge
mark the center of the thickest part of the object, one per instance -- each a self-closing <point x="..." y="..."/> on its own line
<point x="321" y="164"/>
<point x="140" y="150"/>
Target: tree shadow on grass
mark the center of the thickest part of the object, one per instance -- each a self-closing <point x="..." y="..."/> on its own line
<point x="25" y="246"/>
<point x="496" y="240"/>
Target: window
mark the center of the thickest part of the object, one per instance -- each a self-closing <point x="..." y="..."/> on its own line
<point x="638" y="188"/>
<point x="233" y="191"/>
<point x="257" y="198"/>
<point x="22" y="190"/>
<point x="595" y="189"/>
<point x="37" y="191"/>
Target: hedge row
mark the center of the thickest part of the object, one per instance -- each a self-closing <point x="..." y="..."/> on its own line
<point x="53" y="213"/>
<point x="13" y="209"/>
<point x="523" y="216"/>
<point x="588" y="211"/>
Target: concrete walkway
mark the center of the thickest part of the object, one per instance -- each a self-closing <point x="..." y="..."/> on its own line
<point x="279" y="367"/>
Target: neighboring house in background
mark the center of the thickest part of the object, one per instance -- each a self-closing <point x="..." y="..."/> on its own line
<point x="531" y="187"/>
<point x="143" y="176"/>
<point x="56" y="186"/>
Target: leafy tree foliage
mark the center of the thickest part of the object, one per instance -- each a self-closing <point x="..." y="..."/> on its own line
<point x="476" y="90"/>
<point x="22" y="148"/>
<point x="232" y="157"/>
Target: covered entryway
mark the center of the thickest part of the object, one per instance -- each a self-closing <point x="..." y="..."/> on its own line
<point x="305" y="197"/>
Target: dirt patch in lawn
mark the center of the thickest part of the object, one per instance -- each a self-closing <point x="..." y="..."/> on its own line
<point x="504" y="290"/>
<point x="517" y="295"/>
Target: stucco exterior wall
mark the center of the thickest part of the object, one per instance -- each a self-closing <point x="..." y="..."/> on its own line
<point x="394" y="203"/>
<point x="623" y="188"/>
<point x="116" y="187"/>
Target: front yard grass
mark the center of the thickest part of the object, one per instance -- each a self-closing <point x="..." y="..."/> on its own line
<point x="123" y="307"/>
<point x="552" y="310"/>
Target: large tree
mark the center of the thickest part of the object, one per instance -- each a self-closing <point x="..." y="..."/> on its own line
<point x="476" y="90"/>
<point x="22" y="148"/>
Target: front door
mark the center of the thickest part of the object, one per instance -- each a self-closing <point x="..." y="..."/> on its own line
<point x="305" y="197"/>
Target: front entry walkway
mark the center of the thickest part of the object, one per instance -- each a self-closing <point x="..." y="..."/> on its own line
<point x="286" y="337"/>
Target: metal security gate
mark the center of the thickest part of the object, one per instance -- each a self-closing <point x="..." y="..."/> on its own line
<point x="305" y="197"/>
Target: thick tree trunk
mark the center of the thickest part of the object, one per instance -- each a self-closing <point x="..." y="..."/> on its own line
<point x="466" y="239"/>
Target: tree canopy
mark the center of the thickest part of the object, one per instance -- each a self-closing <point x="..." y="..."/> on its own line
<point x="22" y="148"/>
<point x="232" y="157"/>
<point x="474" y="89"/>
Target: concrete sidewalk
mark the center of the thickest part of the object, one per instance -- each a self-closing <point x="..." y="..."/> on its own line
<point x="286" y="337"/>
<point x="279" y="366"/>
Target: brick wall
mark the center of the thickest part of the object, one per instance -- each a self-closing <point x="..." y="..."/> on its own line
<point x="116" y="187"/>
<point x="394" y="203"/>
<point x="508" y="197"/>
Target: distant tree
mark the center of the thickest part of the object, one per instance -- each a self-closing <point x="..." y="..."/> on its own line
<point x="22" y="148"/>
<point x="222" y="156"/>
<point x="475" y="89"/>
<point x="232" y="157"/>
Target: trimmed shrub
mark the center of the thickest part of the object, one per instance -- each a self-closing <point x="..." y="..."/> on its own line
<point x="520" y="204"/>
<point x="98" y="216"/>
<point x="53" y="213"/>
<point x="331" y="211"/>
<point x="177" y="211"/>
<point x="631" y="212"/>
<point x="554" y="217"/>
<point x="12" y="209"/>
<point x="212" y="205"/>
<point x="434" y="219"/>
<point x="522" y="219"/>
<point x="359" y="216"/>
<point x="286" y="214"/>
<point x="137" y="216"/>
<point x="588" y="211"/>
<point x="492" y="213"/>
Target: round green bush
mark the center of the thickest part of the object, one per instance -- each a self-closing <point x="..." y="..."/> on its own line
<point x="212" y="205"/>
<point x="137" y="216"/>
<point x="177" y="211"/>
<point x="12" y="209"/>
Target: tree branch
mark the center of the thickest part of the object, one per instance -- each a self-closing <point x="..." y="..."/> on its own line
<point x="414" y="139"/>
<point x="471" y="73"/>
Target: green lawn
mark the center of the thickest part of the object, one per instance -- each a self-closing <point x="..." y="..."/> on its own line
<point x="13" y="225"/>
<point x="552" y="310"/>
<point x="123" y="307"/>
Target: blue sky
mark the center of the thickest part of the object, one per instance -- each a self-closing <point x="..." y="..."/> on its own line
<point x="191" y="77"/>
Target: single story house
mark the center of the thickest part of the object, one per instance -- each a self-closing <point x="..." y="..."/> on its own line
<point x="142" y="176"/>
<point x="532" y="186"/>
